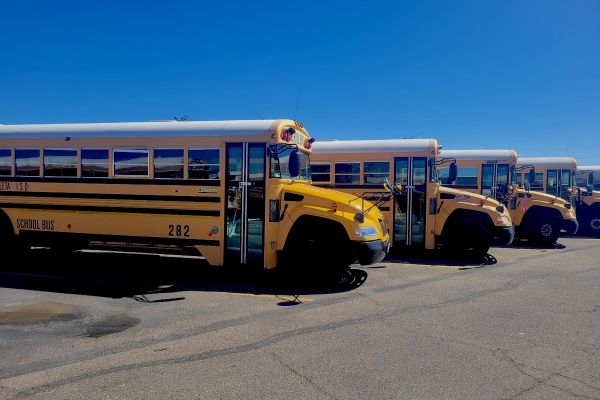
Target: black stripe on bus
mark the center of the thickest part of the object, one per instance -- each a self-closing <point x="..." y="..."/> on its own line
<point x="129" y="210"/>
<point x="114" y="196"/>
<point x="116" y="181"/>
<point x="119" y="238"/>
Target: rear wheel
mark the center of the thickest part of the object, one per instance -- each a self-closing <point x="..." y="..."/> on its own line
<point x="467" y="239"/>
<point x="543" y="229"/>
<point x="593" y="225"/>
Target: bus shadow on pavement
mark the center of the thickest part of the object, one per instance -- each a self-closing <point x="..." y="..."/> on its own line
<point x="524" y="244"/>
<point x="140" y="276"/>
<point x="438" y="258"/>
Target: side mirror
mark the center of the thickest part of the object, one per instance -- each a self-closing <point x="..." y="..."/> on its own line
<point x="590" y="180"/>
<point x="452" y="173"/>
<point x="590" y="188"/>
<point x="294" y="164"/>
<point x="527" y="186"/>
<point x="531" y="176"/>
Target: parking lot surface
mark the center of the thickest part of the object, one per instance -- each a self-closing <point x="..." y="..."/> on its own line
<point x="523" y="325"/>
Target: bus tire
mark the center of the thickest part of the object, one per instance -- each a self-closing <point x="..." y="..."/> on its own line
<point x="10" y="244"/>
<point x="317" y="245"/>
<point x="467" y="239"/>
<point x="542" y="229"/>
<point x="592" y="226"/>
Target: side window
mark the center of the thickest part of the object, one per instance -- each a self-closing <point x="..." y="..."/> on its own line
<point x="203" y="164"/>
<point x="375" y="172"/>
<point x="321" y="172"/>
<point x="487" y="179"/>
<point x="539" y="180"/>
<point x="467" y="176"/>
<point x="27" y="162"/>
<point x="552" y="182"/>
<point x="502" y="173"/>
<point x="130" y="162"/>
<point x="168" y="163"/>
<point x="444" y="174"/>
<point x="5" y="162"/>
<point x="60" y="162"/>
<point x="94" y="163"/>
<point x="347" y="173"/>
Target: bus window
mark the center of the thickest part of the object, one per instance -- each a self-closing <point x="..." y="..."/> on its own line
<point x="60" y="162"/>
<point x="130" y="162"/>
<point x="203" y="164"/>
<point x="94" y="163"/>
<point x="565" y="183"/>
<point x="467" y="176"/>
<point x="444" y="176"/>
<point x="321" y="172"/>
<point x="27" y="162"/>
<point x="487" y="179"/>
<point x="539" y="180"/>
<point x="168" y="163"/>
<point x="375" y="172"/>
<point x="552" y="181"/>
<point x="502" y="174"/>
<point x="347" y="173"/>
<point x="5" y="162"/>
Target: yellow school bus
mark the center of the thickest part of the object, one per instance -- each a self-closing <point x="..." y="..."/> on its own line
<point x="556" y="176"/>
<point x="238" y="192"/>
<point x="537" y="217"/>
<point x="422" y="213"/>
<point x="588" y="177"/>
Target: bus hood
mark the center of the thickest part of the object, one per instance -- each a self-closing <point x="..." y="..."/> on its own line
<point x="468" y="197"/>
<point x="545" y="197"/>
<point x="328" y="198"/>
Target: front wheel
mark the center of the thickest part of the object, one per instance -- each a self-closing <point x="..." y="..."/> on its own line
<point x="467" y="239"/>
<point x="543" y="230"/>
<point x="593" y="225"/>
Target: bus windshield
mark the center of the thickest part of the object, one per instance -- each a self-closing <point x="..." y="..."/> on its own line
<point x="280" y="156"/>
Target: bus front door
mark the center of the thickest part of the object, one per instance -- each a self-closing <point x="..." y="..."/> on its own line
<point x="409" y="212"/>
<point x="494" y="180"/>
<point x="245" y="210"/>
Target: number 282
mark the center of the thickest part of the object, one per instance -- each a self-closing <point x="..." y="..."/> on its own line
<point x="179" y="230"/>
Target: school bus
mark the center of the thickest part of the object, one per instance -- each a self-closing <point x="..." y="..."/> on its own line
<point x="556" y="176"/>
<point x="537" y="217"/>
<point x="238" y="192"/>
<point x="422" y="214"/>
<point x="588" y="176"/>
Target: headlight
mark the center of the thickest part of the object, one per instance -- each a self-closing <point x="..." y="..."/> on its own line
<point x="502" y="220"/>
<point x="571" y="214"/>
<point x="365" y="231"/>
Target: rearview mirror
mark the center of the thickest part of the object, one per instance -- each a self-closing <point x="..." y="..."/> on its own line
<point x="294" y="164"/>
<point x="590" y="188"/>
<point x="590" y="180"/>
<point x="452" y="173"/>
<point x="527" y="186"/>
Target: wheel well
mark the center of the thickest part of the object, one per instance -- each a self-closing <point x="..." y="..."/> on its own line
<point x="458" y="215"/>
<point x="308" y="225"/>
<point x="5" y="223"/>
<point x="537" y="211"/>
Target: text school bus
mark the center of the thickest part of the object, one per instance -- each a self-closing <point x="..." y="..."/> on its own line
<point x="423" y="214"/>
<point x="556" y="176"/>
<point x="237" y="191"/>
<point x="537" y="217"/>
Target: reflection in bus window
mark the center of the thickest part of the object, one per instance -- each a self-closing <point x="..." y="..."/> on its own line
<point x="60" y="162"/>
<point x="503" y="171"/>
<point x="375" y="172"/>
<point x="347" y="173"/>
<point x="419" y="172"/>
<point x="27" y="162"/>
<point x="466" y="176"/>
<point x="551" y="181"/>
<point x="539" y="180"/>
<point x="168" y="163"/>
<point x="130" y="162"/>
<point x="5" y="162"/>
<point x="203" y="164"/>
<point x="94" y="163"/>
<point x="320" y="172"/>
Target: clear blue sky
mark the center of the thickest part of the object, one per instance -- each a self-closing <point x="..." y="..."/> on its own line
<point x="475" y="74"/>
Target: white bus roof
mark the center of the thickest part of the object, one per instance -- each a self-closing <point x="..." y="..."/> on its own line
<point x="592" y="168"/>
<point x="485" y="155"/>
<point x="374" y="146"/>
<point x="549" y="162"/>
<point x="136" y="129"/>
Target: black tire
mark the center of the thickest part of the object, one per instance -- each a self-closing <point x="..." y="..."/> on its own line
<point x="467" y="239"/>
<point x="320" y="249"/>
<point x="542" y="229"/>
<point x="10" y="244"/>
<point x="592" y="225"/>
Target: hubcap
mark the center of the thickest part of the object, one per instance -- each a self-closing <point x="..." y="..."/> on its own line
<point x="546" y="230"/>
<point x="595" y="224"/>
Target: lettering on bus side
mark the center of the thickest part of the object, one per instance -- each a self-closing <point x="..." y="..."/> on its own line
<point x="32" y="224"/>
<point x="18" y="186"/>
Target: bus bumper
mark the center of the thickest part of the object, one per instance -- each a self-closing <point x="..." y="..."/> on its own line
<point x="504" y="235"/>
<point x="570" y="226"/>
<point x="371" y="252"/>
